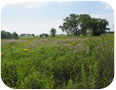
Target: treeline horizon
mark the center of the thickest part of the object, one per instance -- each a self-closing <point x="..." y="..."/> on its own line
<point x="8" y="35"/>
<point x="73" y="25"/>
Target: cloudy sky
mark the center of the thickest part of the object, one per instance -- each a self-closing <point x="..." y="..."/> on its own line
<point x="40" y="17"/>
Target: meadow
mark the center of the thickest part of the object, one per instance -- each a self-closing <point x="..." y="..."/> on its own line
<point x="59" y="62"/>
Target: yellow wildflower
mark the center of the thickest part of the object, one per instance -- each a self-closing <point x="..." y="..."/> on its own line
<point x="84" y="41"/>
<point x="10" y="47"/>
<point x="25" y="49"/>
<point x="73" y="43"/>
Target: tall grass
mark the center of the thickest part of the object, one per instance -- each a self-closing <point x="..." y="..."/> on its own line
<point x="69" y="62"/>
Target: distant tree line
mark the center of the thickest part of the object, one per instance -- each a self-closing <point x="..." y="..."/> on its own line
<point x="52" y="33"/>
<point x="76" y="24"/>
<point x="8" y="35"/>
<point x="44" y="35"/>
<point x="23" y="34"/>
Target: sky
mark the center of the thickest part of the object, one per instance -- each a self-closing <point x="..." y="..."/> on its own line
<point x="40" y="17"/>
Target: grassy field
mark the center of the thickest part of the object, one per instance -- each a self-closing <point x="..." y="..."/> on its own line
<point x="58" y="62"/>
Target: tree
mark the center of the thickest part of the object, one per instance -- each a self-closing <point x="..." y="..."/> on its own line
<point x="83" y="19"/>
<point x="70" y="25"/>
<point x="80" y="24"/>
<point x="6" y="35"/>
<point x="98" y="26"/>
<point x="22" y="34"/>
<point x="41" y="35"/>
<point x="3" y="35"/>
<point x="33" y="35"/>
<point x="46" y="35"/>
<point x="15" y="35"/>
<point x="53" y="32"/>
<point x="65" y="28"/>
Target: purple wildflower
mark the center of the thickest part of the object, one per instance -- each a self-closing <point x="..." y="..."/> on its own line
<point x="79" y="45"/>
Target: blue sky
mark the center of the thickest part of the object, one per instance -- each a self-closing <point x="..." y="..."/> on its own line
<point x="40" y="17"/>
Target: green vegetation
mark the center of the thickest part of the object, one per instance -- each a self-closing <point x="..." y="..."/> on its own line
<point x="44" y="35"/>
<point x="83" y="59"/>
<point x="53" y="32"/>
<point x="59" y="62"/>
<point x="76" y="24"/>
<point x="8" y="35"/>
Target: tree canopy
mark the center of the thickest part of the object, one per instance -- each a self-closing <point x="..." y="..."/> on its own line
<point x="98" y="26"/>
<point x="44" y="35"/>
<point x="8" y="35"/>
<point x="15" y="35"/>
<point x="53" y="32"/>
<point x="76" y="24"/>
<point x="70" y="25"/>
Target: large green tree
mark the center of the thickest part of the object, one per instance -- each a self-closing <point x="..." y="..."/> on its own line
<point x="3" y="35"/>
<point x="65" y="28"/>
<point x="79" y="24"/>
<point x="70" y="25"/>
<point x="33" y="35"/>
<point x="53" y="32"/>
<point x="6" y="35"/>
<point x="83" y="19"/>
<point x="98" y="26"/>
<point x="15" y="35"/>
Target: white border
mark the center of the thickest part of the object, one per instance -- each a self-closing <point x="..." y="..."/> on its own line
<point x="112" y="3"/>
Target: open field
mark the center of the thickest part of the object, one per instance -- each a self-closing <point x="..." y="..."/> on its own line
<point x="58" y="62"/>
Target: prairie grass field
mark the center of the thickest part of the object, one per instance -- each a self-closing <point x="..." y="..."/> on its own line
<point x="59" y="62"/>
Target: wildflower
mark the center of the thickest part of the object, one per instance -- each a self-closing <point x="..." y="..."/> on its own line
<point x="84" y="41"/>
<point x="14" y="47"/>
<point x="73" y="43"/>
<point x="25" y="49"/>
<point x="11" y="47"/>
<point x="79" y="45"/>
